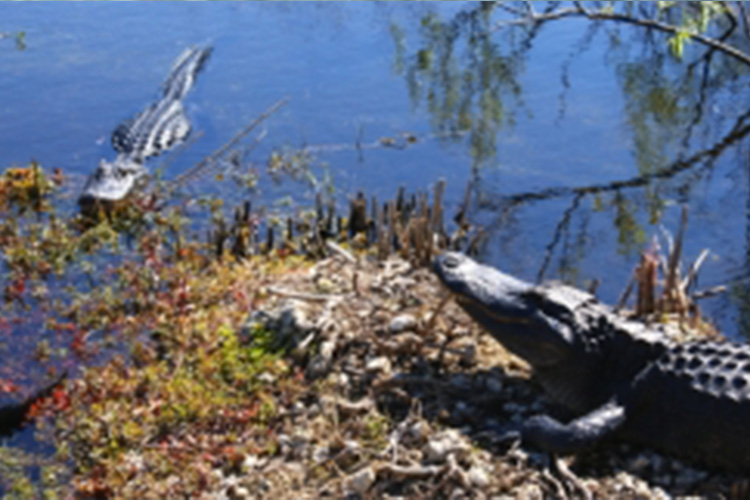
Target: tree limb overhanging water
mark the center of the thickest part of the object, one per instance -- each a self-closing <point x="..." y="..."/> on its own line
<point x="607" y="13"/>
<point x="681" y="62"/>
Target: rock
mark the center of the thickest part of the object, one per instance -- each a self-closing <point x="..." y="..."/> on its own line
<point x="251" y="462"/>
<point x="457" y="494"/>
<point x="320" y="364"/>
<point x="237" y="493"/>
<point x="468" y="352"/>
<point x="380" y="364"/>
<point x="417" y="432"/>
<point x="529" y="492"/>
<point x="402" y="323"/>
<point x="289" y="322"/>
<point x="325" y="285"/>
<point x="320" y="454"/>
<point x="361" y="481"/>
<point x="444" y="443"/>
<point x="408" y="342"/>
<point x="478" y="476"/>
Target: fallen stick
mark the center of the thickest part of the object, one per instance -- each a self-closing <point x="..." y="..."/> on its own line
<point x="197" y="169"/>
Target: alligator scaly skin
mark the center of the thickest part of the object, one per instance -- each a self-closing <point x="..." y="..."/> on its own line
<point x="158" y="128"/>
<point x="625" y="380"/>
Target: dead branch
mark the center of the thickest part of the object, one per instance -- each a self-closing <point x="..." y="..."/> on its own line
<point x="312" y="297"/>
<point x="210" y="159"/>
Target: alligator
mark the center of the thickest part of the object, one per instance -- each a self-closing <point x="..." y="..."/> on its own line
<point x="14" y="415"/>
<point x="618" y="379"/>
<point x="158" y="128"/>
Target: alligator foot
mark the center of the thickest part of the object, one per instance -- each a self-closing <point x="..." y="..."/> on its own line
<point x="500" y="436"/>
<point x="548" y="434"/>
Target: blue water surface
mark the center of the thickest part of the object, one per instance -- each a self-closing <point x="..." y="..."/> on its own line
<point x="578" y="109"/>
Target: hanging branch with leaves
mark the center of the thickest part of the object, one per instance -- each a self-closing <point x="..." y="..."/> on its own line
<point x="697" y="20"/>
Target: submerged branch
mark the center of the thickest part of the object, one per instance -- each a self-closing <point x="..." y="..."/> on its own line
<point x="209" y="160"/>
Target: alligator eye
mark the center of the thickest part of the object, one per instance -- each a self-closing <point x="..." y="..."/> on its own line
<point x="451" y="261"/>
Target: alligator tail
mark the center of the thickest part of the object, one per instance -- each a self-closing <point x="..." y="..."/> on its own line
<point x="164" y="123"/>
<point x="184" y="71"/>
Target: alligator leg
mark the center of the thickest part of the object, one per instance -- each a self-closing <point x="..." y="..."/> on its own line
<point x="548" y="434"/>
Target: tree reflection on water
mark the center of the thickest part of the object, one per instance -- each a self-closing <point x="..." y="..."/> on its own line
<point x="680" y="68"/>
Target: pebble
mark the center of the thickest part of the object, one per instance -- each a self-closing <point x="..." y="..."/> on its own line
<point x="417" y="431"/>
<point x="325" y="285"/>
<point x="478" y="476"/>
<point x="408" y="340"/>
<point x="238" y="493"/>
<point x="441" y="444"/>
<point x="361" y="481"/>
<point x="402" y="323"/>
<point x="251" y="462"/>
<point x="320" y="454"/>
<point x="457" y="494"/>
<point x="469" y="352"/>
<point x="380" y="364"/>
<point x="530" y="492"/>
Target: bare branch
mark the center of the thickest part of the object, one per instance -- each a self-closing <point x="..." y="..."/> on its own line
<point x="530" y="8"/>
<point x="197" y="169"/>
<point x="745" y="17"/>
<point x="579" y="11"/>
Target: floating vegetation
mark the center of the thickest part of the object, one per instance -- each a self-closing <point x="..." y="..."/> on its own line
<point x="19" y="38"/>
<point x="26" y="187"/>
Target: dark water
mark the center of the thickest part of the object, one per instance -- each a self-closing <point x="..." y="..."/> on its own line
<point x="566" y="108"/>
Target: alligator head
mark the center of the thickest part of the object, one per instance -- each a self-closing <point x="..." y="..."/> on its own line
<point x="512" y="310"/>
<point x="112" y="181"/>
<point x="577" y="346"/>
